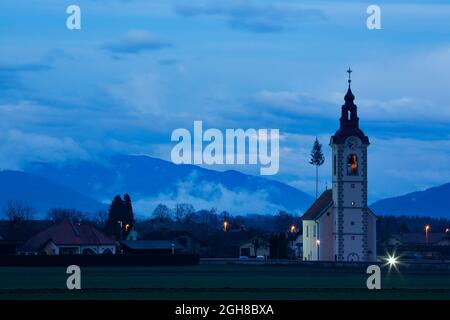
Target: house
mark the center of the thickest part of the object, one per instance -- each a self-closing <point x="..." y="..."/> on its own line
<point x="295" y="242"/>
<point x="184" y="238"/>
<point x="68" y="238"/>
<point x="419" y="245"/>
<point x="150" y="247"/>
<point x="339" y="226"/>
<point x="228" y="244"/>
<point x="132" y="234"/>
<point x="255" y="247"/>
<point x="14" y="233"/>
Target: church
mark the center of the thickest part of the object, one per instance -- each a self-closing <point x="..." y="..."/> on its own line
<point x="339" y="226"/>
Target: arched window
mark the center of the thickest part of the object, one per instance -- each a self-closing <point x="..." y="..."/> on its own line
<point x="352" y="165"/>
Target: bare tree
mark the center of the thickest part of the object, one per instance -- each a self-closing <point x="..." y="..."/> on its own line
<point x="161" y="213"/>
<point x="100" y="217"/>
<point x="59" y="214"/>
<point x="17" y="211"/>
<point x="184" y="212"/>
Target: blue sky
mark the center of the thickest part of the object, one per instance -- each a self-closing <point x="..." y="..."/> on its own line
<point x="139" y="69"/>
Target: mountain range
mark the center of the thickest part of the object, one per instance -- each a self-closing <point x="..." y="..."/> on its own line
<point x="89" y="186"/>
<point x="432" y="202"/>
<point x="151" y="181"/>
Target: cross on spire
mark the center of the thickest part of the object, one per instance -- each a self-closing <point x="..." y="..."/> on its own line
<point x="349" y="71"/>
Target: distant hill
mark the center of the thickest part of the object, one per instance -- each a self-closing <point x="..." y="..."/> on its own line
<point x="42" y="194"/>
<point x="150" y="181"/>
<point x="433" y="202"/>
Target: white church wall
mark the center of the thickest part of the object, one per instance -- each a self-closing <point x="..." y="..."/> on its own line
<point x="353" y="249"/>
<point x="372" y="236"/>
<point x="353" y="222"/>
<point x="326" y="237"/>
<point x="353" y="195"/>
<point x="310" y="240"/>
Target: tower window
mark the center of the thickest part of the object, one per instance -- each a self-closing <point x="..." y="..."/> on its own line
<point x="352" y="165"/>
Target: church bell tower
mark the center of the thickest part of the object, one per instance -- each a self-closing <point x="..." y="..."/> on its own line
<point x="349" y="175"/>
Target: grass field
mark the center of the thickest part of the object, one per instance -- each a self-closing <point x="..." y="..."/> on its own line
<point x="222" y="282"/>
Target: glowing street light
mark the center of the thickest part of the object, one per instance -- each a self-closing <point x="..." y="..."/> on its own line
<point x="427" y="229"/>
<point x="293" y="229"/>
<point x="447" y="231"/>
<point x="225" y="226"/>
<point x="392" y="261"/>
<point x="318" y="250"/>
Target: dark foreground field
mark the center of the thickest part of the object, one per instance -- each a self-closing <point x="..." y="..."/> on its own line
<point x="222" y="282"/>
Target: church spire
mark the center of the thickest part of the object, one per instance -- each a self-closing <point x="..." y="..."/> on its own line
<point x="349" y="121"/>
<point x="349" y="97"/>
<point x="349" y="71"/>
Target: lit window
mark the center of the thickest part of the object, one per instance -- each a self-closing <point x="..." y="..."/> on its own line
<point x="352" y="165"/>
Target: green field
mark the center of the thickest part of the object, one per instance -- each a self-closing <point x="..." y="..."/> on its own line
<point x="223" y="282"/>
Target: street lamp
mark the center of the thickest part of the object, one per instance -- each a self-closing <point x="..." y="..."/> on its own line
<point x="427" y="229"/>
<point x="392" y="261"/>
<point x="318" y="249"/>
<point x="293" y="229"/>
<point x="225" y="226"/>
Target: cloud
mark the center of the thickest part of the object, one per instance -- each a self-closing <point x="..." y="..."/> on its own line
<point x="136" y="41"/>
<point x="10" y="74"/>
<point x="169" y="62"/>
<point x="400" y="109"/>
<point x="209" y="195"/>
<point x="19" y="148"/>
<point x="254" y="18"/>
<point x="140" y="93"/>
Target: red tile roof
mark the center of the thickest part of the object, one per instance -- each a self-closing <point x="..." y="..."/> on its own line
<point x="67" y="233"/>
<point x="322" y="203"/>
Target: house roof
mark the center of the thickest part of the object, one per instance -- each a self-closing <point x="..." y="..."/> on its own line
<point x="169" y="235"/>
<point x="151" y="244"/>
<point x="67" y="233"/>
<point x="419" y="238"/>
<point x="319" y="206"/>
